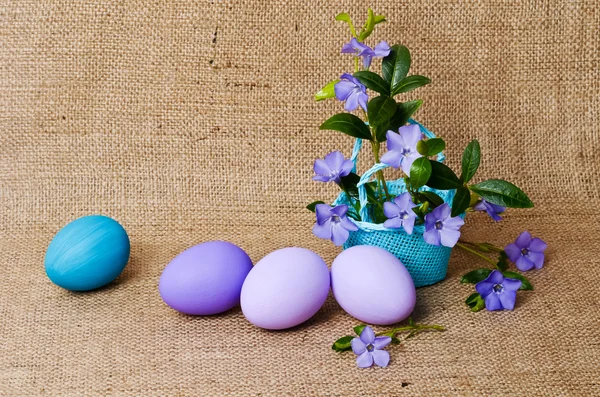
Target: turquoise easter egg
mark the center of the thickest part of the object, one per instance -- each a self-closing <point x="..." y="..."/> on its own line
<point x="87" y="253"/>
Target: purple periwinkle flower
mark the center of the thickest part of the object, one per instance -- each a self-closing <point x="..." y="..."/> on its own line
<point x="498" y="292"/>
<point x="526" y="252"/>
<point x="332" y="223"/>
<point x="333" y="168"/>
<point x="440" y="227"/>
<point x="402" y="147"/>
<point x="351" y="90"/>
<point x="400" y="213"/>
<point x="369" y="349"/>
<point x="367" y="53"/>
<point x="493" y="210"/>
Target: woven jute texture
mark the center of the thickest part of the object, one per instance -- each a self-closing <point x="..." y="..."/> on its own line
<point x="190" y="121"/>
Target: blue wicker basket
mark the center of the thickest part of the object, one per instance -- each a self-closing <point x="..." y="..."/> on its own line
<point x="427" y="264"/>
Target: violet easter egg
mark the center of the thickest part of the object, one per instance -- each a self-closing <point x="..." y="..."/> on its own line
<point x="285" y="288"/>
<point x="205" y="279"/>
<point x="88" y="253"/>
<point x="372" y="285"/>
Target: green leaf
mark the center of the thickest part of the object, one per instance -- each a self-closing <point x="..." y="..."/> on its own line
<point x="349" y="183"/>
<point x="348" y="124"/>
<point x="311" y="207"/>
<point x="442" y="177"/>
<point x="435" y="145"/>
<point x="379" y="19"/>
<point x="410" y="83"/>
<point x="432" y="198"/>
<point x="327" y="92"/>
<point x="422" y="148"/>
<point x="404" y="111"/>
<point x="500" y="192"/>
<point x="380" y="109"/>
<point x="373" y="82"/>
<point x="502" y="264"/>
<point x="368" y="27"/>
<point x="344" y="17"/>
<point x="359" y="329"/>
<point x="395" y="341"/>
<point x="475" y="276"/>
<point x="395" y="66"/>
<point x="475" y="302"/>
<point x="525" y="285"/>
<point x="343" y="344"/>
<point x="461" y="201"/>
<point x="470" y="160"/>
<point x="420" y="171"/>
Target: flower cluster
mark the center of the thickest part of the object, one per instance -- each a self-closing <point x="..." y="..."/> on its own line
<point x="497" y="288"/>
<point x="386" y="123"/>
<point x="369" y="346"/>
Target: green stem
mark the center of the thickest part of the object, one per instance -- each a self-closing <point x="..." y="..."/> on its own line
<point x="488" y="246"/>
<point x="459" y="245"/>
<point x="413" y="328"/>
<point x="380" y="176"/>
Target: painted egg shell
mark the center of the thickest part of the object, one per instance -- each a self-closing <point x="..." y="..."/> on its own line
<point x="372" y="285"/>
<point x="205" y="279"/>
<point x="285" y="288"/>
<point x="87" y="253"/>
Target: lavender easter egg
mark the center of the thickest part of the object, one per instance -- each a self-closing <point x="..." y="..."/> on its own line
<point x="88" y="253"/>
<point x="205" y="279"/>
<point x="372" y="285"/>
<point x="285" y="288"/>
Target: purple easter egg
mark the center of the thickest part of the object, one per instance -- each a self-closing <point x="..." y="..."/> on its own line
<point x="205" y="279"/>
<point x="372" y="285"/>
<point x="285" y="288"/>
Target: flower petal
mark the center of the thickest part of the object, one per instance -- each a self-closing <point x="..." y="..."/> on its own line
<point x="335" y="160"/>
<point x="365" y="360"/>
<point x="407" y="163"/>
<point x="323" y="212"/>
<point x="449" y="237"/>
<point x="393" y="223"/>
<point x="346" y="167"/>
<point x="351" y="102"/>
<point x="432" y="237"/>
<point x="367" y="335"/>
<point x="363" y="98"/>
<point x="381" y="357"/>
<point x="348" y="49"/>
<point x="495" y="277"/>
<point x="403" y="200"/>
<point x="382" y="49"/>
<point x="494" y="216"/>
<point x="391" y="210"/>
<point x="322" y="231"/>
<point x="409" y="224"/>
<point x="358" y="346"/>
<point x="339" y="234"/>
<point x="453" y="223"/>
<point x="512" y="284"/>
<point x="394" y="141"/>
<point x="507" y="299"/>
<point x="348" y="224"/>
<point x="513" y="252"/>
<point x="343" y="89"/>
<point x="381" y="341"/>
<point x="339" y="210"/>
<point x="367" y="58"/>
<point x="321" y="178"/>
<point x="537" y="258"/>
<point x="492" y="302"/>
<point x="524" y="263"/>
<point x="523" y="240"/>
<point x="411" y="134"/>
<point x="484" y="288"/>
<point x="537" y="245"/>
<point x="392" y="158"/>
<point x="321" y="167"/>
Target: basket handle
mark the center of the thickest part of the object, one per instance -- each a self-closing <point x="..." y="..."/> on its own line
<point x="362" y="190"/>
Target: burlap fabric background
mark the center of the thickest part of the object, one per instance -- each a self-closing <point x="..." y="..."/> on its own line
<point x="191" y="121"/>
